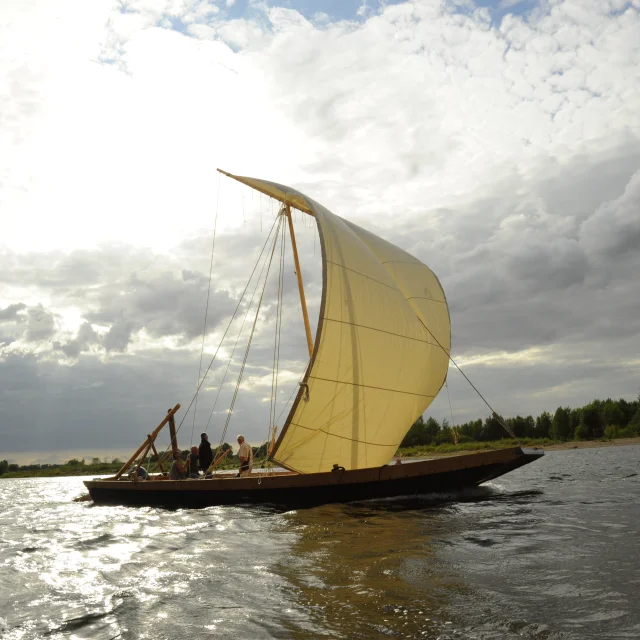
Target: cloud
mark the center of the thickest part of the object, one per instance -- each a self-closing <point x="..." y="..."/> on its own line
<point x="505" y="154"/>
<point x="33" y="324"/>
<point x="85" y="338"/>
<point x="12" y="323"/>
<point x="118" y="336"/>
<point x="12" y="312"/>
<point x="40" y="324"/>
<point x="614" y="229"/>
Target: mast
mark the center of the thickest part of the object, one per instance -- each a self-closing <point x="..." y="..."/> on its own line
<point x="303" y="302"/>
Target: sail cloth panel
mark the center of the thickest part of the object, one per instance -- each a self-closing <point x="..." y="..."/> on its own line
<point x="420" y="286"/>
<point x="375" y="367"/>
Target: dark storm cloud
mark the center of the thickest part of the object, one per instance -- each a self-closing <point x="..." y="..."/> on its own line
<point x="40" y="324"/>
<point x="118" y="336"/>
<point x="85" y="338"/>
<point x="12" y="322"/>
<point x="527" y="269"/>
<point x="164" y="304"/>
<point x="98" y="404"/>
<point x="614" y="229"/>
<point x="34" y="324"/>
<point x="123" y="289"/>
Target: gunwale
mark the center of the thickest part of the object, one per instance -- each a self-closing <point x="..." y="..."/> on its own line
<point x="289" y="488"/>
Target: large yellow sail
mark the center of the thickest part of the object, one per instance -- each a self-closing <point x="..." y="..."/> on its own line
<point x="381" y="350"/>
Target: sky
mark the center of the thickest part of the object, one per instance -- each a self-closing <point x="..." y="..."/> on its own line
<point x="498" y="142"/>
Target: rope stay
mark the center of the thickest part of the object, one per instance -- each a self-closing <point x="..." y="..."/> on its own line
<point x="206" y="309"/>
<point x="224" y="377"/>
<point x="253" y="328"/>
<point x="275" y="370"/>
<point x="277" y="335"/>
<point x="493" y="413"/>
<point x="453" y="426"/>
<point x="213" y="358"/>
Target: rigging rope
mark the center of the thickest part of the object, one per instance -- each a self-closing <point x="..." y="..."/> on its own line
<point x="224" y="377"/>
<point x="206" y="309"/>
<point x="264" y="246"/>
<point x="276" y="338"/>
<point x="453" y="426"/>
<point x="253" y="328"/>
<point x="493" y="413"/>
<point x="273" y="400"/>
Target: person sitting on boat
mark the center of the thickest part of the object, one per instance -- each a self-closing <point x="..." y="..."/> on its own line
<point x="140" y="472"/>
<point x="205" y="454"/>
<point x="178" y="469"/>
<point x="245" y="454"/>
<point x="193" y="463"/>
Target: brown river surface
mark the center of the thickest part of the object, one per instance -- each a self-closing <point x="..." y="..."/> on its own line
<point x="551" y="550"/>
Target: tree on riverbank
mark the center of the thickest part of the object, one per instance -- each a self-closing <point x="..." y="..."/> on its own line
<point x="600" y="418"/>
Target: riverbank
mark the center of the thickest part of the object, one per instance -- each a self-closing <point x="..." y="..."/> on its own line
<point x="101" y="469"/>
<point x="440" y="451"/>
<point x="445" y="450"/>
<point x="590" y="444"/>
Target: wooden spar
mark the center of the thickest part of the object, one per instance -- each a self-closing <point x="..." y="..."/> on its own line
<point x="217" y="461"/>
<point x="155" y="451"/>
<point x="273" y="191"/>
<point x="303" y="302"/>
<point x="143" y="456"/>
<point x="273" y="440"/>
<point x="172" y="433"/>
<point x="141" y="448"/>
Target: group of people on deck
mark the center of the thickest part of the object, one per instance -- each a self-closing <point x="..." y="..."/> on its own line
<point x="200" y="459"/>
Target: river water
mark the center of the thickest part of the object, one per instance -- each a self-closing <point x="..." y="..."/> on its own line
<point x="551" y="550"/>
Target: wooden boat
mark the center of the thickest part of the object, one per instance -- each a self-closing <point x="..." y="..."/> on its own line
<point x="294" y="490"/>
<point x="380" y="356"/>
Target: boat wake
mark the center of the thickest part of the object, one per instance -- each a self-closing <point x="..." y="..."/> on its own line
<point x="488" y="492"/>
<point x="426" y="500"/>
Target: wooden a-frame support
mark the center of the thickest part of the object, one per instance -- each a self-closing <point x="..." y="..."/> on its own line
<point x="149" y="442"/>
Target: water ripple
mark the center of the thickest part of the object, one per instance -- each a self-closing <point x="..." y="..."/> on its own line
<point x="547" y="552"/>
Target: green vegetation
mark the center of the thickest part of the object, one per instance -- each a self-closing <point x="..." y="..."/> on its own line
<point x="505" y="443"/>
<point x="72" y="467"/>
<point x="97" y="467"/>
<point x="598" y="420"/>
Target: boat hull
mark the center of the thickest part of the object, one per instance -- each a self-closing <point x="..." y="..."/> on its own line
<point x="306" y="490"/>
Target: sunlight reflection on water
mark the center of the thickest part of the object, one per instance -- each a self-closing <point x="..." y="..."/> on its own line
<point x="549" y="551"/>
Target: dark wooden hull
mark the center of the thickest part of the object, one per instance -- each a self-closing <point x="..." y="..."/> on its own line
<point x="306" y="490"/>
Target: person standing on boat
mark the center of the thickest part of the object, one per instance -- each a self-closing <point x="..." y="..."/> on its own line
<point x="192" y="463"/>
<point x="178" y="469"/>
<point x="245" y="454"/>
<point x="205" y="454"/>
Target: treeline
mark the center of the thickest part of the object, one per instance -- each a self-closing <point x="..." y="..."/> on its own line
<point x="80" y="466"/>
<point x="599" y="419"/>
<point x="258" y="452"/>
<point x="71" y="467"/>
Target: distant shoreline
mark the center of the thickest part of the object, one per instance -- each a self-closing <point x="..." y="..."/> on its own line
<point x="403" y="454"/>
<point x="592" y="444"/>
<point x="558" y="446"/>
